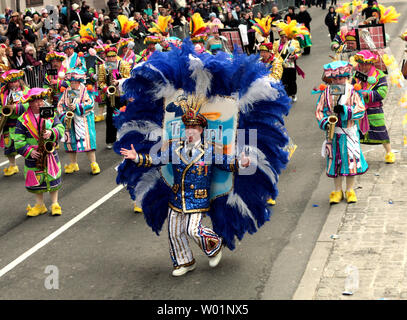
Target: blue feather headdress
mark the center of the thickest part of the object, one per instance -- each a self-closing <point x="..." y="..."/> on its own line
<point x="262" y="104"/>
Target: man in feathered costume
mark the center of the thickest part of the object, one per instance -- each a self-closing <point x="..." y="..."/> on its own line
<point x="187" y="137"/>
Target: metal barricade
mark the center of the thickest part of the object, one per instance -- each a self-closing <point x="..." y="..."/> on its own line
<point x="34" y="76"/>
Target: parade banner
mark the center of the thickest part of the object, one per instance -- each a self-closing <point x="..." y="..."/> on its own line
<point x="233" y="39"/>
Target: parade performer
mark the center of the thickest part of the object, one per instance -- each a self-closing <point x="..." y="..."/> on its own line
<point x="75" y="110"/>
<point x="73" y="60"/>
<point x="54" y="78"/>
<point x="214" y="43"/>
<point x="374" y="86"/>
<point x="273" y="59"/>
<point x="109" y="74"/>
<point x="289" y="49"/>
<point x="340" y="102"/>
<point x="11" y="108"/>
<point x="263" y="29"/>
<point x="100" y="97"/>
<point x="185" y="160"/>
<point x="198" y="32"/>
<point x="264" y="33"/>
<point x="150" y="41"/>
<point x="125" y="51"/>
<point x="36" y="135"/>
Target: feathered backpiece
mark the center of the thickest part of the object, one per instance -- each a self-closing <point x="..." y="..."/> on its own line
<point x="160" y="27"/>
<point x="263" y="26"/>
<point x="350" y="9"/>
<point x="388" y="14"/>
<point x="124" y="25"/>
<point x="256" y="104"/>
<point x="293" y="29"/>
<point x="88" y="32"/>
<point x="197" y="28"/>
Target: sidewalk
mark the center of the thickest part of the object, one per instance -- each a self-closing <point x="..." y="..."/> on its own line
<point x="371" y="234"/>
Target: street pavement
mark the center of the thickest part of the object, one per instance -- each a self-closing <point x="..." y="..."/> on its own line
<point x="101" y="250"/>
<point x="361" y="251"/>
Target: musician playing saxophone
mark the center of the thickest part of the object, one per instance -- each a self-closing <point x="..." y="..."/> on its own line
<point x="35" y="132"/>
<point x="10" y="95"/>
<point x="110" y="74"/>
<point x="75" y="110"/>
<point x="342" y="151"/>
<point x="54" y="78"/>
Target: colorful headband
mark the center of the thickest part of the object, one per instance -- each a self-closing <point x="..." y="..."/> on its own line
<point x="69" y="44"/>
<point x="337" y="69"/>
<point x="75" y="75"/>
<point x="151" y="39"/>
<point x="366" y="56"/>
<point x="11" y="76"/>
<point x="55" y="56"/>
<point x="36" y="93"/>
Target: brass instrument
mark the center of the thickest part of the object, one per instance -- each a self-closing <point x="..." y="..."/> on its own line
<point x="6" y="112"/>
<point x="111" y="90"/>
<point x="68" y="119"/>
<point x="332" y="120"/>
<point x="44" y="148"/>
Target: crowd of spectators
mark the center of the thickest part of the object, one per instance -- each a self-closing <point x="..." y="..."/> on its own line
<point x="25" y="38"/>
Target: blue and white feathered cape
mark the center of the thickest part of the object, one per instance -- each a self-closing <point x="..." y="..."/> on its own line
<point x="262" y="105"/>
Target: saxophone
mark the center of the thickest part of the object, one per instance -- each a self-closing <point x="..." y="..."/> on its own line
<point x="44" y="148"/>
<point x="111" y="90"/>
<point x="332" y="120"/>
<point x="6" y="112"/>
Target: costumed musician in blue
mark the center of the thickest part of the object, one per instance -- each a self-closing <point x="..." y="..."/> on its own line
<point x="175" y="169"/>
<point x="192" y="160"/>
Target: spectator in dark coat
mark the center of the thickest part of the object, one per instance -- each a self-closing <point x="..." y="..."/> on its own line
<point x="290" y="14"/>
<point x="19" y="59"/>
<point x="332" y="21"/>
<point x="304" y="17"/>
<point x="14" y="27"/>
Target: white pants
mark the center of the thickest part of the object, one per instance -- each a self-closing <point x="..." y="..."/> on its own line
<point x="180" y="226"/>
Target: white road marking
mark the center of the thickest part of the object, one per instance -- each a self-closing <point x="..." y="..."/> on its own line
<point x="56" y="233"/>
<point x="6" y="162"/>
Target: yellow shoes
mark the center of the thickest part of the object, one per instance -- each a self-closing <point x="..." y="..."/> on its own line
<point x="351" y="196"/>
<point x="335" y="197"/>
<point x="10" y="171"/>
<point x="72" y="167"/>
<point x="99" y="118"/>
<point x="95" y="168"/>
<point x="56" y="209"/>
<point x="390" y="157"/>
<point x="137" y="209"/>
<point x="271" y="202"/>
<point x="36" y="210"/>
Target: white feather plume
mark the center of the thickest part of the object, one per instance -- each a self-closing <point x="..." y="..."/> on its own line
<point x="147" y="181"/>
<point x="201" y="75"/>
<point x="147" y="128"/>
<point x="258" y="90"/>
<point x="258" y="159"/>
<point x="234" y="200"/>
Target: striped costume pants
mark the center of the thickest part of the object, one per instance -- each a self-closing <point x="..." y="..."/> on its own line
<point x="183" y="226"/>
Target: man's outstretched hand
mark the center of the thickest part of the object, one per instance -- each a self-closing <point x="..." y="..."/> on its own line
<point x="129" y="154"/>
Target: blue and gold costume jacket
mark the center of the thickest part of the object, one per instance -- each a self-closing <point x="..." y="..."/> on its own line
<point x="192" y="174"/>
